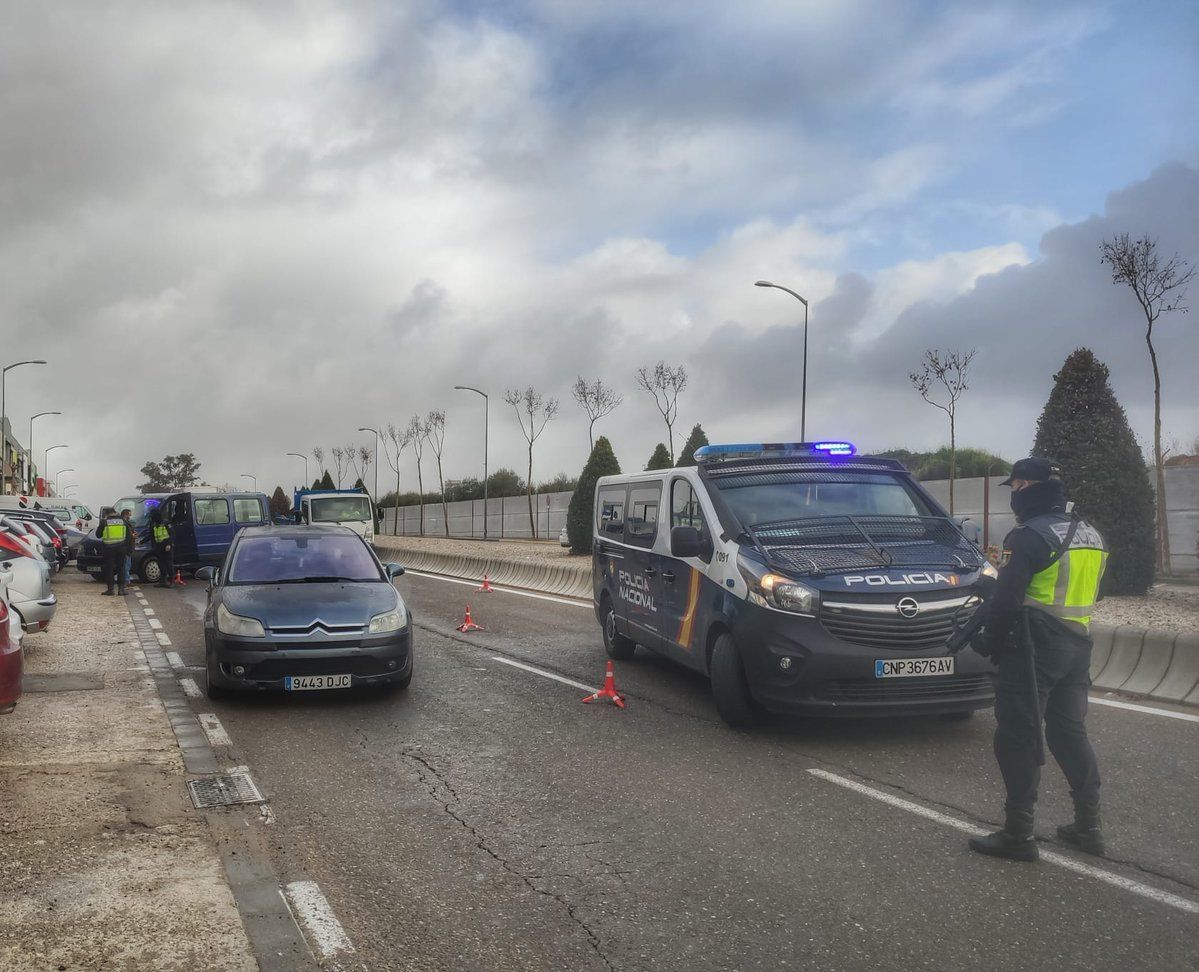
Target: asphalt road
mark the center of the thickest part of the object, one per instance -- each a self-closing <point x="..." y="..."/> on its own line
<point x="485" y="818"/>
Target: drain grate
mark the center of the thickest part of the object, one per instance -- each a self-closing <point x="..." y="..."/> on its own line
<point x="224" y="791"/>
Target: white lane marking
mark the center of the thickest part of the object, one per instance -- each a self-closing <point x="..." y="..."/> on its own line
<point x="190" y="688"/>
<point x="148" y="611"/>
<point x="505" y="590"/>
<point x="1147" y="709"/>
<point x="1087" y="870"/>
<point x="155" y="624"/>
<point x="214" y="730"/>
<point x="174" y="660"/>
<point x="542" y="672"/>
<point x="323" y="929"/>
<point x="162" y="638"/>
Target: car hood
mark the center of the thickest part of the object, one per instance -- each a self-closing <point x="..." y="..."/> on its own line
<point x="296" y="605"/>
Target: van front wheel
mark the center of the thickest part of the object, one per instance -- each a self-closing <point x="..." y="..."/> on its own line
<point x="618" y="647"/>
<point x="150" y="570"/>
<point x="729" y="686"/>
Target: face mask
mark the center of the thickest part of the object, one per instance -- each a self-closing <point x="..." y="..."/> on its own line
<point x="1038" y="498"/>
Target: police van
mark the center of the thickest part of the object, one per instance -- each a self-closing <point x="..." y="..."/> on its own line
<point x="801" y="578"/>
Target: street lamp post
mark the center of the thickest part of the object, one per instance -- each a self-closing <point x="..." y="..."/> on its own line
<point x="376" y="500"/>
<point x="305" y="458"/>
<point x="486" y="405"/>
<point x="4" y="423"/>
<point x="59" y="473"/>
<point x="46" y="457"/>
<point x="253" y="479"/>
<point x="69" y="486"/>
<point x="31" y="418"/>
<point x="803" y="407"/>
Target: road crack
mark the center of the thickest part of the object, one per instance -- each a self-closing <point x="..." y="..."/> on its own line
<point x="435" y="783"/>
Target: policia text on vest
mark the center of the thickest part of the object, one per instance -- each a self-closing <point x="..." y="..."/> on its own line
<point x="1038" y="634"/>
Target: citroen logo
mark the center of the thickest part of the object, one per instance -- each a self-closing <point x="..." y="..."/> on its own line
<point x="909" y="607"/>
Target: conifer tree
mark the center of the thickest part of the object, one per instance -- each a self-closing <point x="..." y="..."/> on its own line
<point x="580" y="515"/>
<point x="1085" y="429"/>
<point x="660" y="459"/>
<point x="695" y="440"/>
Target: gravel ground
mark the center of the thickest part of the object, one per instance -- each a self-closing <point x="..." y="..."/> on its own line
<point x="519" y="551"/>
<point x="1174" y="607"/>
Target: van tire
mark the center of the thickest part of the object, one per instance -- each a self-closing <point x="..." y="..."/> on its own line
<point x="150" y="570"/>
<point x="729" y="686"/>
<point x="618" y="647"/>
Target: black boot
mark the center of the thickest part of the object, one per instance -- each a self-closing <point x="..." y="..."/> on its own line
<point x="1015" y="841"/>
<point x="1084" y="834"/>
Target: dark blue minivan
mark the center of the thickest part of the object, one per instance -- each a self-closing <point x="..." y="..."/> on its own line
<point x="202" y="527"/>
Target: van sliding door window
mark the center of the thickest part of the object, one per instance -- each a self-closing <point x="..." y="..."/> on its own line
<point x="212" y="512"/>
<point x="610" y="512"/>
<point x="642" y="524"/>
<point x="248" y="510"/>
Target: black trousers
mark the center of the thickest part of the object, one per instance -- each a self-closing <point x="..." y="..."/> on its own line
<point x="165" y="554"/>
<point x="114" y="567"/>
<point x="1063" y="662"/>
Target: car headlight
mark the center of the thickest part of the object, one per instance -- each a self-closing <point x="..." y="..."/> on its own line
<point x="775" y="591"/>
<point x="988" y="570"/>
<point x="234" y="624"/>
<point x="390" y="620"/>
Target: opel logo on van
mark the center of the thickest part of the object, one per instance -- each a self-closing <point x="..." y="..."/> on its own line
<point x="909" y="607"/>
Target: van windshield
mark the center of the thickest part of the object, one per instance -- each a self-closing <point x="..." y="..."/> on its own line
<point x="338" y="509"/>
<point x="141" y="507"/>
<point x="772" y="497"/>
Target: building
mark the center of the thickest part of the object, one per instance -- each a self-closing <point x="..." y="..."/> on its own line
<point x="18" y="468"/>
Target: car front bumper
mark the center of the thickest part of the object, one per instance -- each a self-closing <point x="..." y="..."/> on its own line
<point x="829" y="676"/>
<point x="265" y="665"/>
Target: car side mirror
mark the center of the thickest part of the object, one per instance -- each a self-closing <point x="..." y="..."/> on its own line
<point x="686" y="541"/>
<point x="208" y="574"/>
<point x="394" y="570"/>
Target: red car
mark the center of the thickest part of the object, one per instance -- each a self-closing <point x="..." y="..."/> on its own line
<point x="12" y="662"/>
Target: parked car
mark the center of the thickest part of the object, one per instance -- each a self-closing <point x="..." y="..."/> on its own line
<point x="12" y="660"/>
<point x="29" y="593"/>
<point x="50" y="529"/>
<point x="36" y="541"/>
<point x="304" y="607"/>
<point x="203" y="526"/>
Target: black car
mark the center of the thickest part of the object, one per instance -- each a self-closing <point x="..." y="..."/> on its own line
<point x="303" y="608"/>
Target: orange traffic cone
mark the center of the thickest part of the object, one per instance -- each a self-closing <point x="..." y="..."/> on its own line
<point x="609" y="689"/>
<point x="178" y="577"/>
<point x="469" y="623"/>
<point x="487" y="586"/>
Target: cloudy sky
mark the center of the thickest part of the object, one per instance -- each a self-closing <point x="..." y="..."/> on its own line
<point x="247" y="229"/>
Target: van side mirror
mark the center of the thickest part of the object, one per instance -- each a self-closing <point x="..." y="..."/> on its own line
<point x="686" y="541"/>
<point x="394" y="570"/>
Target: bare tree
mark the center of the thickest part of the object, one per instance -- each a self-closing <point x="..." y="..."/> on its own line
<point x="395" y="441"/>
<point x="341" y="461"/>
<point x="435" y="434"/>
<point x="535" y="410"/>
<point x="1160" y="287"/>
<point x="597" y="400"/>
<point x="665" y="383"/>
<point x="318" y="453"/>
<point x="949" y="370"/>
<point x="363" y="457"/>
<point x="416" y="436"/>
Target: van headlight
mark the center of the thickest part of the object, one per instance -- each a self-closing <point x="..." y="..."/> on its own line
<point x="775" y="591"/>
<point x="988" y="570"/>
<point x="389" y="621"/>
<point x="234" y="624"/>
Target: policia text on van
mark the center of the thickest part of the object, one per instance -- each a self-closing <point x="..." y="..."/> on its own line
<point x="801" y="578"/>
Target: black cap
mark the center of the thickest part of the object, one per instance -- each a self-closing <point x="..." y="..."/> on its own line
<point x="1035" y="470"/>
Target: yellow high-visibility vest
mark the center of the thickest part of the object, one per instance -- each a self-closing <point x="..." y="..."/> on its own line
<point x="1069" y="587"/>
<point x="114" y="531"/>
<point x="161" y="533"/>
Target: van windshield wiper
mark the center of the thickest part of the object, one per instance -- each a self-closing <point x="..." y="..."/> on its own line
<point x="883" y="555"/>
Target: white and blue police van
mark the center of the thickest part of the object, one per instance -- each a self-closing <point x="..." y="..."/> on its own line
<point x="801" y="578"/>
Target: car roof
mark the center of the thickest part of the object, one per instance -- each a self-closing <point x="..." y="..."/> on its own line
<point x="298" y="530"/>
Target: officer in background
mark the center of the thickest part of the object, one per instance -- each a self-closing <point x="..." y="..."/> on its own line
<point x="114" y="533"/>
<point x="160" y="537"/>
<point x="1038" y="635"/>
<point x="127" y="565"/>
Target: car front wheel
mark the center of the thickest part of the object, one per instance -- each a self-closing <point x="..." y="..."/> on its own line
<point x="211" y="688"/>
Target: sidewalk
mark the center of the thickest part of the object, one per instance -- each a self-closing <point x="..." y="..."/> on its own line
<point x="103" y="861"/>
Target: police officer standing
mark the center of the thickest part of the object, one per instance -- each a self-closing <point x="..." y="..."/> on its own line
<point x="115" y="534"/>
<point x="1038" y="635"/>
<point x="160" y="536"/>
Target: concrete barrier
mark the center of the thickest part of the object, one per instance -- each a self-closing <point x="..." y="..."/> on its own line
<point x="1103" y="636"/>
<point x="1181" y="682"/>
<point x="1126" y="653"/>
<point x="1157" y="651"/>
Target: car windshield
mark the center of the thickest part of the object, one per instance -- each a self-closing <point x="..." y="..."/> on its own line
<point x="141" y="507"/>
<point x="302" y="559"/>
<point x="769" y="498"/>
<point x="338" y="509"/>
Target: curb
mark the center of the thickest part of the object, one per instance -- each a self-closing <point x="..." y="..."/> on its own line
<point x="1145" y="662"/>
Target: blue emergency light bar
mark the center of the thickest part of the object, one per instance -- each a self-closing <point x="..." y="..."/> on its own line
<point x="773" y="450"/>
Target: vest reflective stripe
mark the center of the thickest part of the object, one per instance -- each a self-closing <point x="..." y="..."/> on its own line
<point x="1068" y="588"/>
<point x="114" y="531"/>
<point x="161" y="534"/>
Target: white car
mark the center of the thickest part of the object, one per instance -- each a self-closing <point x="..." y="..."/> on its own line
<point x="29" y="593"/>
